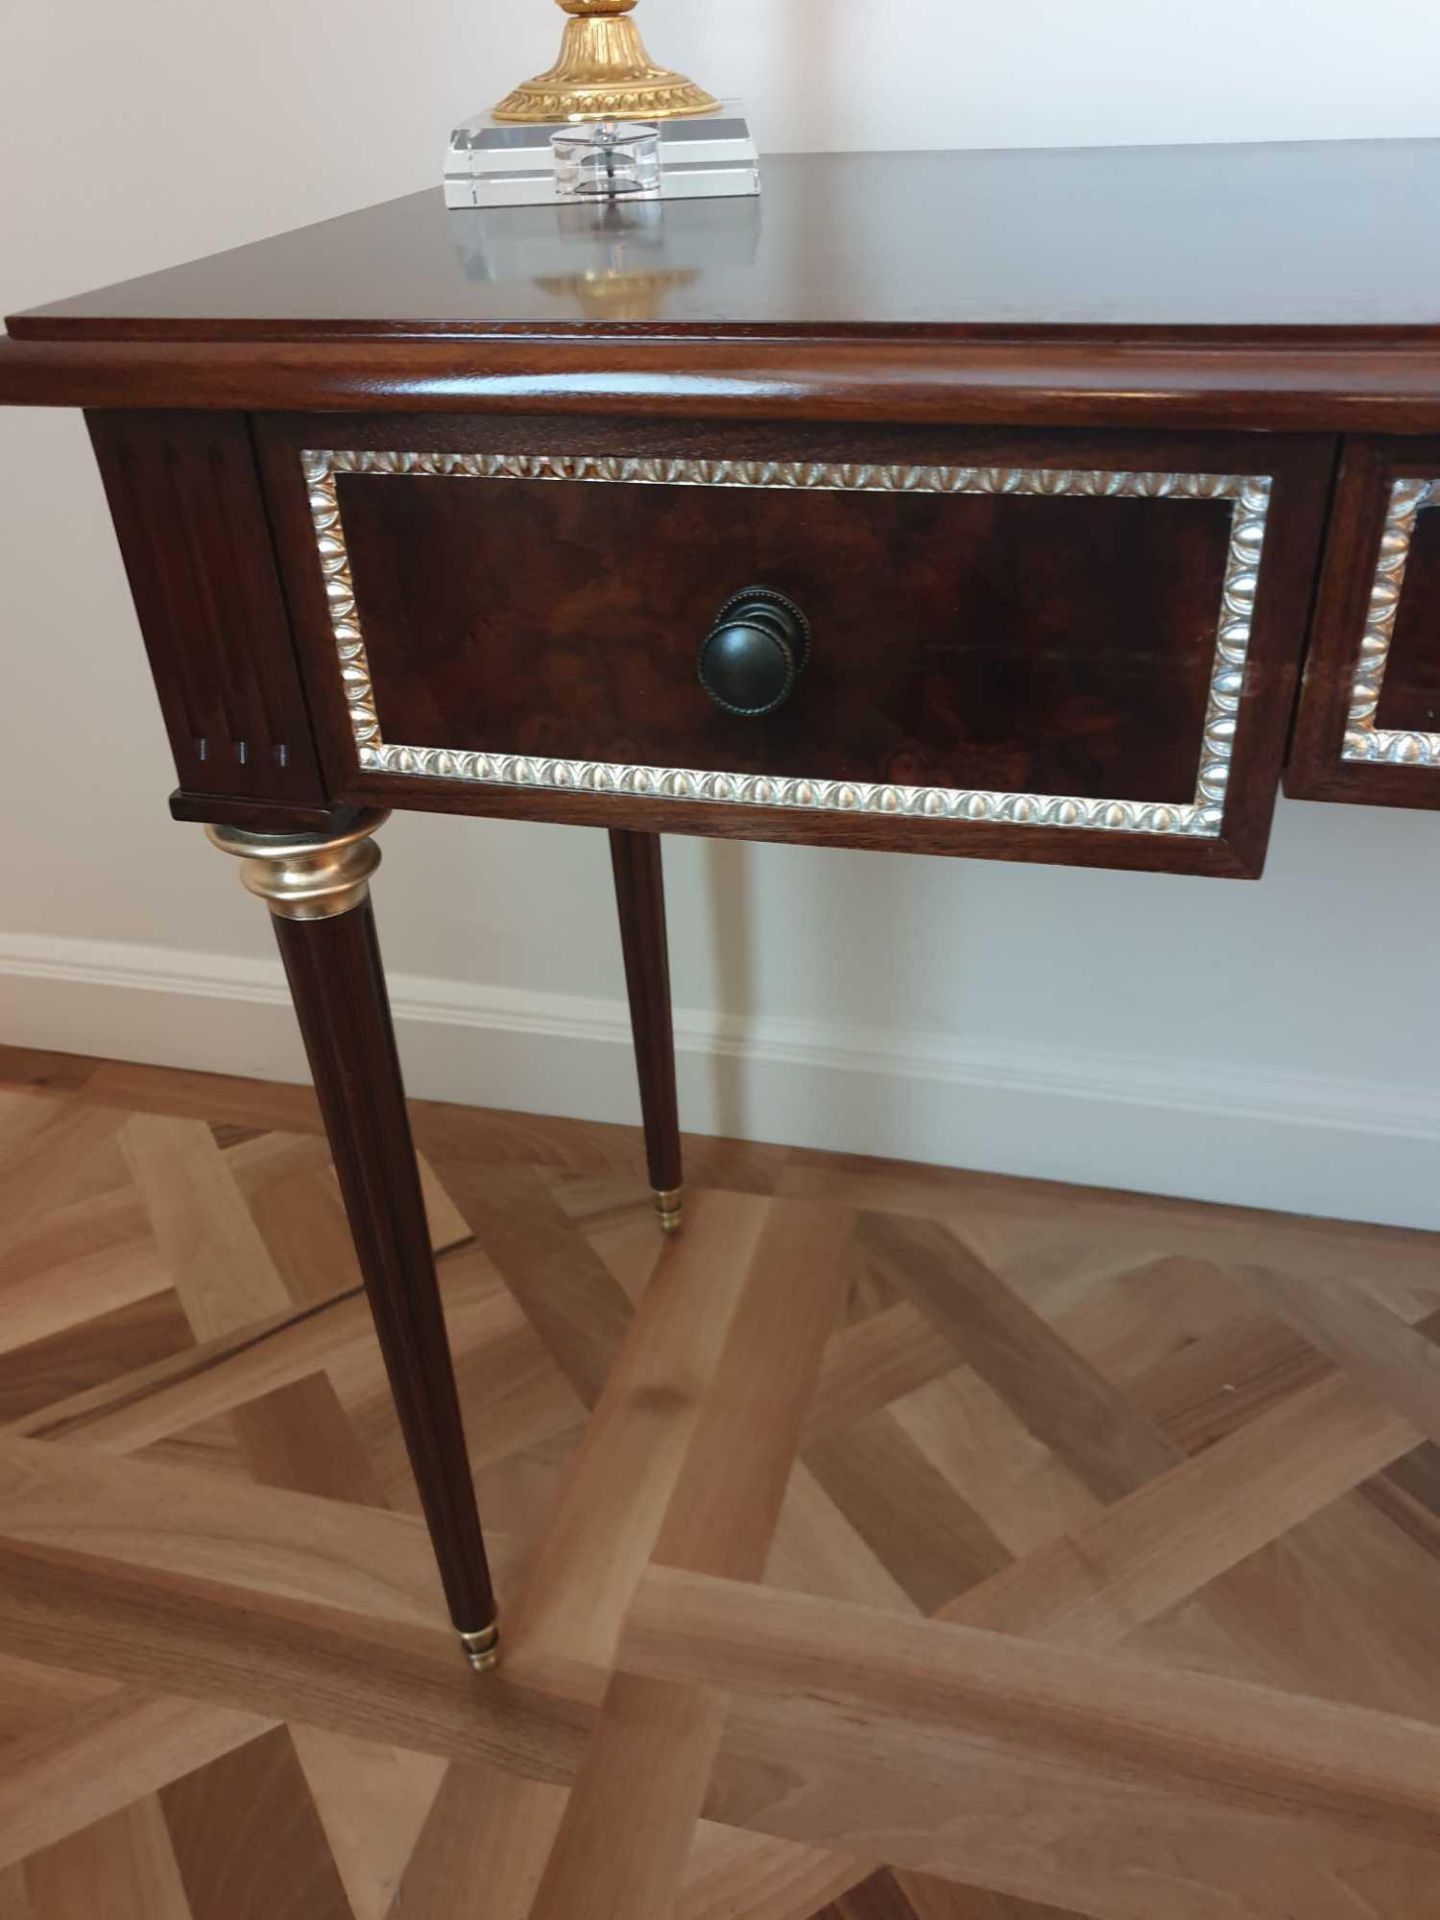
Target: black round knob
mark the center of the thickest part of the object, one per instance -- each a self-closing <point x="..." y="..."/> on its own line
<point x="755" y="651"/>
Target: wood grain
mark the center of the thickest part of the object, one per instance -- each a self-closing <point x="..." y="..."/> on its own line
<point x="123" y="1866"/>
<point x="579" y="1312"/>
<point x="372" y="1801"/>
<point x="869" y="713"/>
<point x="248" y="1840"/>
<point x="622" y="1483"/>
<point x="1017" y="606"/>
<point x="104" y="1757"/>
<point x="1249" y="1747"/>
<point x="601" y="1536"/>
<point x="640" y="901"/>
<point x="622" y="1843"/>
<point x="1104" y="242"/>
<point x="1066" y="1404"/>
<point x="1206" y="1690"/>
<point x="184" y="494"/>
<point x="162" y="1516"/>
<point x="1383" y="388"/>
<point x="337" y="983"/>
<point x="1051" y="1833"/>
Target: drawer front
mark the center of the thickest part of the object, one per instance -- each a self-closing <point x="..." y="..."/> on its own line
<point x="1033" y="648"/>
<point x="1369" y="722"/>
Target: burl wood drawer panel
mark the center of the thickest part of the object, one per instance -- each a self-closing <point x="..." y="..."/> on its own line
<point x="1368" y="727"/>
<point x="1029" y="646"/>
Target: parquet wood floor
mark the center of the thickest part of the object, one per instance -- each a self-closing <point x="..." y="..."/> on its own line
<point x="897" y="1544"/>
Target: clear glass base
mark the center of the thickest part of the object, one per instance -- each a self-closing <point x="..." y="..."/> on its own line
<point x="607" y="160"/>
<point x="491" y="164"/>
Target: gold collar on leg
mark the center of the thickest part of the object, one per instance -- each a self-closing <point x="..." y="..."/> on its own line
<point x="302" y="876"/>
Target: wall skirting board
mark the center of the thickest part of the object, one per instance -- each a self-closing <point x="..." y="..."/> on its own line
<point x="1347" y="1148"/>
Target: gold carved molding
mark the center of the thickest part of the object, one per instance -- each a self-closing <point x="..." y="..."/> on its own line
<point x="604" y="73"/>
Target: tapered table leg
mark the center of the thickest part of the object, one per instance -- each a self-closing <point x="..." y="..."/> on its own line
<point x="640" y="895"/>
<point x="318" y="892"/>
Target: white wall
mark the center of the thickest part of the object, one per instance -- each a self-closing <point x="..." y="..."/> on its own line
<point x="1272" y="1043"/>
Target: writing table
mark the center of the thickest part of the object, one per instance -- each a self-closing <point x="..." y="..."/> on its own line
<point x="1029" y="506"/>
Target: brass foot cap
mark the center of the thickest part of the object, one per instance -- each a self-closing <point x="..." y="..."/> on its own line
<point x="670" y="1205"/>
<point x="482" y="1649"/>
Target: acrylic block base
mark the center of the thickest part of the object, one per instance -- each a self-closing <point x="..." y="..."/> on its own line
<point x="490" y="164"/>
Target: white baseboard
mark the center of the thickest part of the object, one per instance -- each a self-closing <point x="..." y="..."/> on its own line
<point x="1346" y="1148"/>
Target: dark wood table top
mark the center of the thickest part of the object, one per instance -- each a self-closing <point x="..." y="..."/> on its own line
<point x="1300" y="238"/>
<point x="1283" y="286"/>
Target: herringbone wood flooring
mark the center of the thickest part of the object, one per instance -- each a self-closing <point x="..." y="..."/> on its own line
<point x="896" y="1545"/>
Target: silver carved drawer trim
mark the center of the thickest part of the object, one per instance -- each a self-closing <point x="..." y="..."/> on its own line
<point x="1199" y="818"/>
<point x="1363" y="739"/>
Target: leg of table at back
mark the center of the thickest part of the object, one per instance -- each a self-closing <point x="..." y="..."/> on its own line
<point x="640" y="896"/>
<point x="318" y="891"/>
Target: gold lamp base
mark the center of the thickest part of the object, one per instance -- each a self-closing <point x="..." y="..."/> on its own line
<point x="604" y="73"/>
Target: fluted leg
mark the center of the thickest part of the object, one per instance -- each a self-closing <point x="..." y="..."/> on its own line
<point x="640" y="895"/>
<point x="318" y="892"/>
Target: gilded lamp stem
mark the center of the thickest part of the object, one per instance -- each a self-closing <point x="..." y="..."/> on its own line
<point x="604" y="73"/>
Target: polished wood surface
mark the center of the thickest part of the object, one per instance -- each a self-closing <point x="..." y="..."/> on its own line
<point x="1020" y="644"/>
<point x="1170" y="1651"/>
<point x="1243" y="239"/>
<point x="1102" y="380"/>
<point x="977" y="641"/>
<point x="337" y="982"/>
<point x="640" y="900"/>
<point x="1032" y="686"/>
<point x="1187" y="286"/>
<point x="185" y="499"/>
